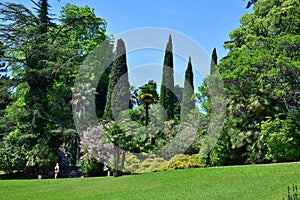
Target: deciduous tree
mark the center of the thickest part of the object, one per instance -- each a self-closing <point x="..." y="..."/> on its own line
<point x="261" y="75"/>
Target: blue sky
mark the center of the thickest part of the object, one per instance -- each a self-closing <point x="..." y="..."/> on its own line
<point x="207" y="22"/>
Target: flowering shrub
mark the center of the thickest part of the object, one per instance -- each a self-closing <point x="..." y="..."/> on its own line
<point x="107" y="143"/>
<point x="95" y="145"/>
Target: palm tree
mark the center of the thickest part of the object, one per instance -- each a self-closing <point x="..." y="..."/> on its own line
<point x="147" y="96"/>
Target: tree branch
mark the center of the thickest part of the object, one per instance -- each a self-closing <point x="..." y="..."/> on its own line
<point x="35" y="3"/>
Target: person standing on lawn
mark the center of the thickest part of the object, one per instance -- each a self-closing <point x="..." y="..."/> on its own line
<point x="56" y="170"/>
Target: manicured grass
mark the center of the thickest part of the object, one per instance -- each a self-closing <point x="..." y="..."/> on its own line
<point x="238" y="182"/>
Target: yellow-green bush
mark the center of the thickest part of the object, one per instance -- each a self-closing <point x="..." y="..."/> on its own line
<point x="132" y="163"/>
<point x="135" y="165"/>
<point x="152" y="164"/>
<point x="183" y="161"/>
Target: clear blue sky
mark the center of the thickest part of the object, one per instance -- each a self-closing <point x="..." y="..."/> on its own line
<point x="208" y="22"/>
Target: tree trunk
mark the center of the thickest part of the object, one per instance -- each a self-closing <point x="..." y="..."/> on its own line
<point x="123" y="159"/>
<point x="78" y="150"/>
<point x="117" y="157"/>
<point x="147" y="113"/>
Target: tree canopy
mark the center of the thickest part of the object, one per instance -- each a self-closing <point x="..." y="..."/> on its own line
<point x="41" y="58"/>
<point x="261" y="79"/>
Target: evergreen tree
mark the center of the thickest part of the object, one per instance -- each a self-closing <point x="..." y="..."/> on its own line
<point x="44" y="15"/>
<point x="118" y="95"/>
<point x="204" y="95"/>
<point x="178" y="93"/>
<point x="118" y="100"/>
<point x="214" y="61"/>
<point x="39" y="68"/>
<point x="167" y="85"/>
<point x="101" y="93"/>
<point x="188" y="103"/>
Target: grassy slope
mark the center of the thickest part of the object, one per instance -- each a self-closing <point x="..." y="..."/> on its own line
<point x="239" y="182"/>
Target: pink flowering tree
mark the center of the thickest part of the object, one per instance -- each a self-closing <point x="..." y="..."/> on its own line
<point x="105" y="143"/>
<point x="95" y="145"/>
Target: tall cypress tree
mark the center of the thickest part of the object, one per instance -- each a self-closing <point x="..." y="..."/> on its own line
<point x="101" y="93"/>
<point x="167" y="85"/>
<point x="214" y="61"/>
<point x="118" y="94"/>
<point x="213" y="65"/>
<point x="188" y="103"/>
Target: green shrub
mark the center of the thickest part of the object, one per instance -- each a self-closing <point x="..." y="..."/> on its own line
<point x="40" y="159"/>
<point x="221" y="153"/>
<point x="282" y="139"/>
<point x="91" y="167"/>
<point x="152" y="164"/>
<point x="183" y="161"/>
<point x="12" y="158"/>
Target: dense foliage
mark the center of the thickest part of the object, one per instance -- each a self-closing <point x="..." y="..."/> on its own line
<point x="41" y="60"/>
<point x="61" y="84"/>
<point x="261" y="77"/>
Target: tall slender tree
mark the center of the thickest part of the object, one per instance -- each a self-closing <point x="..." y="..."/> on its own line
<point x="167" y="85"/>
<point x="178" y="92"/>
<point x="214" y="61"/>
<point x="118" y="95"/>
<point x="204" y="96"/>
<point x="188" y="103"/>
<point x="101" y="93"/>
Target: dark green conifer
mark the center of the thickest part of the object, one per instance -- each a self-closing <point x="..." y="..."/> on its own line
<point x="167" y="86"/>
<point x="118" y="94"/>
<point x="188" y="103"/>
<point x="214" y="61"/>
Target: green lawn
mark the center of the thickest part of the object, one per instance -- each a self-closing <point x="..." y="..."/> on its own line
<point x="238" y="182"/>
